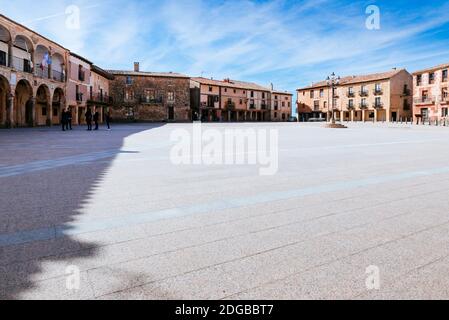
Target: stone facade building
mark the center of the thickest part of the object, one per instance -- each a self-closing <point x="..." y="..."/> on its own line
<point x="234" y="101"/>
<point x="32" y="77"/>
<point x="431" y="95"/>
<point x="99" y="98"/>
<point x="150" y="96"/>
<point x="376" y="97"/>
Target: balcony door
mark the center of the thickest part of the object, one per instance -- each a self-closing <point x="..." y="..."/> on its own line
<point x="425" y="114"/>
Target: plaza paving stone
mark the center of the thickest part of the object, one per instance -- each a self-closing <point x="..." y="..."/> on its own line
<point x="137" y="226"/>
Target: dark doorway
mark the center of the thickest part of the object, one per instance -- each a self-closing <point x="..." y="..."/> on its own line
<point x="394" y="116"/>
<point x="171" y="113"/>
<point x="29" y="113"/>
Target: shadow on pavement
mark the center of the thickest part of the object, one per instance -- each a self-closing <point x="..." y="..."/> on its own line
<point x="39" y="204"/>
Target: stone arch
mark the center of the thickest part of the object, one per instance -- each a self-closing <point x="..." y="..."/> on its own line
<point x="42" y="67"/>
<point x="43" y="106"/>
<point x="23" y="54"/>
<point x="23" y="104"/>
<point x="5" y="91"/>
<point x="5" y="46"/>
<point x="58" y="105"/>
<point x="58" y="67"/>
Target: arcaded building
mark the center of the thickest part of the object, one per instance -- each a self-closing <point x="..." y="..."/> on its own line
<point x="431" y="94"/>
<point x="33" y="77"/>
<point x="236" y="101"/>
<point x="150" y="96"/>
<point x="379" y="97"/>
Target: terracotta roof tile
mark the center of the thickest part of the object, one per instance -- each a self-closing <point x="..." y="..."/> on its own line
<point x="358" y="79"/>
<point x="438" y="67"/>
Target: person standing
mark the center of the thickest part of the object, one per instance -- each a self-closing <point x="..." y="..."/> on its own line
<point x="63" y="119"/>
<point x="69" y="119"/>
<point x="96" y="119"/>
<point x="89" y="119"/>
<point x="108" y="119"/>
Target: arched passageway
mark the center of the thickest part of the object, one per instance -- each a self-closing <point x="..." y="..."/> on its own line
<point x="58" y="105"/>
<point x="4" y="96"/>
<point x="23" y="104"/>
<point x="43" y="109"/>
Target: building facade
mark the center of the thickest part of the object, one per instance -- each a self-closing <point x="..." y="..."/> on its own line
<point x="99" y="98"/>
<point x="32" y="77"/>
<point x="150" y="96"/>
<point x="235" y="101"/>
<point x="281" y="106"/>
<point x="376" y="97"/>
<point x="431" y="95"/>
<point x="78" y="86"/>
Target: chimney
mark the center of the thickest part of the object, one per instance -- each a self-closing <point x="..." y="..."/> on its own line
<point x="136" y="67"/>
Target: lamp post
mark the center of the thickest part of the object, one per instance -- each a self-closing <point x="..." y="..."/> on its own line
<point x="333" y="81"/>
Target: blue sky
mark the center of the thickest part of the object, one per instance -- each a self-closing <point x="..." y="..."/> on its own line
<point x="287" y="43"/>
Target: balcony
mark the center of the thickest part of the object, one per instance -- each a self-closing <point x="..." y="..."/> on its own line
<point x="350" y="94"/>
<point x="425" y="100"/>
<point x="151" y="100"/>
<point x="230" y="106"/>
<point x="264" y="107"/>
<point x="252" y="106"/>
<point x="378" y="105"/>
<point x="444" y="98"/>
<point x="79" y="97"/>
<point x="100" y="98"/>
<point x="350" y="106"/>
<point x="21" y="64"/>
<point x="363" y="93"/>
<point x="378" y="91"/>
<point x="57" y="76"/>
<point x="363" y="105"/>
<point x="42" y="72"/>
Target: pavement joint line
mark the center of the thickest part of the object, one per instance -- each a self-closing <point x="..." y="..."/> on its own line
<point x="272" y="250"/>
<point x="166" y="214"/>
<point x="276" y="212"/>
<point x="342" y="258"/>
<point x="225" y="239"/>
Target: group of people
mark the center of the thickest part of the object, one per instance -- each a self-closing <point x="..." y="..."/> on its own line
<point x="66" y="119"/>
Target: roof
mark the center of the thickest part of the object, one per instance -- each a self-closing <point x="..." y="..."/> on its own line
<point x="231" y="84"/>
<point x="441" y="66"/>
<point x="148" y="74"/>
<point x="102" y="72"/>
<point x="282" y="92"/>
<point x="80" y="57"/>
<point x="347" y="80"/>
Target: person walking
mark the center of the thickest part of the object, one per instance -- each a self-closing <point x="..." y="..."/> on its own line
<point x="63" y="119"/>
<point x="89" y="119"/>
<point x="96" y="119"/>
<point x="69" y="119"/>
<point x="108" y="119"/>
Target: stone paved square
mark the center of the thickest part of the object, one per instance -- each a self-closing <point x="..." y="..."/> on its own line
<point x="112" y="208"/>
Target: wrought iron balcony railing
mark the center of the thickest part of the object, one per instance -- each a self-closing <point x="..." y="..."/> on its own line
<point x="378" y="91"/>
<point x="363" y="93"/>
<point x="425" y="100"/>
<point x="21" y="64"/>
<point x="350" y="94"/>
<point x="363" y="105"/>
<point x="378" y="105"/>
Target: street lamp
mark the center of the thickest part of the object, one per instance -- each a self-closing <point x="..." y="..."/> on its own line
<point x="333" y="81"/>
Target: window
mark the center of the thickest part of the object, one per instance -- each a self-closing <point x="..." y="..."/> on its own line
<point x="170" y="96"/>
<point x="316" y="105"/>
<point x="275" y="97"/>
<point x="432" y="78"/>
<point x="252" y="94"/>
<point x="210" y="89"/>
<point x="312" y="94"/>
<point x="325" y="104"/>
<point x="444" y="112"/>
<point x="3" y="58"/>
<point x="263" y="95"/>
<point x="80" y="73"/>
<point x="129" y="80"/>
<point x="322" y="93"/>
<point x="235" y="91"/>
<point x="226" y="89"/>
<point x="44" y="111"/>
<point x="419" y="79"/>
<point x="129" y="94"/>
<point x="378" y="102"/>
<point x="289" y="104"/>
<point x="241" y="101"/>
<point x="445" y="75"/>
<point x="275" y="115"/>
<point x="351" y="103"/>
<point x="364" y="104"/>
<point x="378" y="88"/>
